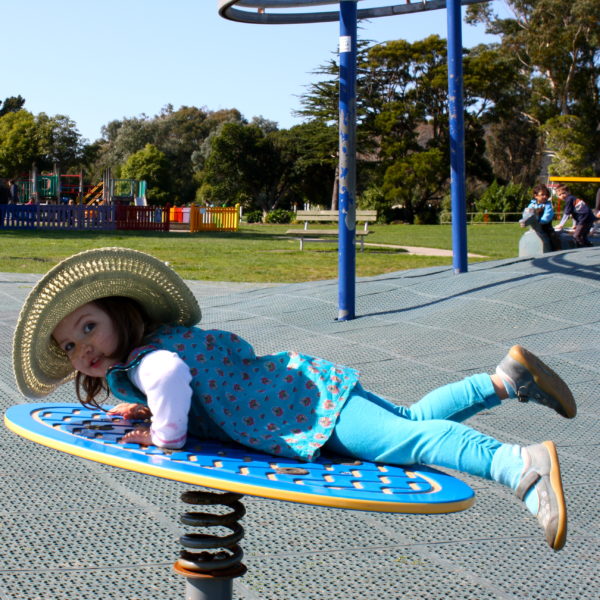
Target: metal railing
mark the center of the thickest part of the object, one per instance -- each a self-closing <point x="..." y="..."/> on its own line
<point x="485" y="218"/>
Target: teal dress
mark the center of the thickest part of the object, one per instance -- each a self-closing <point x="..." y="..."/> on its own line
<point x="285" y="404"/>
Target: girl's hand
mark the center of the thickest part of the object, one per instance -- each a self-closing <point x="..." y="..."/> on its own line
<point x="131" y="410"/>
<point x="140" y="435"/>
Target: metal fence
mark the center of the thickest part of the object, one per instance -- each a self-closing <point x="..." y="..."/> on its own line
<point x="479" y="217"/>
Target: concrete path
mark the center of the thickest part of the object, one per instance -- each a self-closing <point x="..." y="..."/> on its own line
<point x="422" y="251"/>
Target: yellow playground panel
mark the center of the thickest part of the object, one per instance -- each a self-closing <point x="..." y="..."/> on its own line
<point x="556" y="179"/>
<point x="211" y="218"/>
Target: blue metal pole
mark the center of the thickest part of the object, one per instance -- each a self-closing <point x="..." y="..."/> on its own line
<point x="457" y="137"/>
<point x="347" y="162"/>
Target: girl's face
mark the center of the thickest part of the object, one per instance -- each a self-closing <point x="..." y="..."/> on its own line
<point x="89" y="339"/>
<point x="542" y="196"/>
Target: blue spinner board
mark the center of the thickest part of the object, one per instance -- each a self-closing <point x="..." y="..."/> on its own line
<point x="329" y="481"/>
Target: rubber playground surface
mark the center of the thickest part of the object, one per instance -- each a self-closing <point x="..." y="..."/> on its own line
<point x="72" y="528"/>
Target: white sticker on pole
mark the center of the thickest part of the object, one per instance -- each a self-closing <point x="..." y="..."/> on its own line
<point x="345" y="43"/>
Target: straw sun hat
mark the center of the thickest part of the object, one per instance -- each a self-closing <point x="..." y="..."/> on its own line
<point x="40" y="366"/>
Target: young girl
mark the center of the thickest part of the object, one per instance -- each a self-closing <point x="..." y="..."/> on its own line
<point x="121" y="321"/>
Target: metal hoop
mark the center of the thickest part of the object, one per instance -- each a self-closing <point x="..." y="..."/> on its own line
<point x="228" y="9"/>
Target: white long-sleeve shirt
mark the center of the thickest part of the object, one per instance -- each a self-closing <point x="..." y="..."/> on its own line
<point x="165" y="381"/>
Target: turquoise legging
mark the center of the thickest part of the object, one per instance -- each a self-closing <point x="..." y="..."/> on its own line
<point x="429" y="432"/>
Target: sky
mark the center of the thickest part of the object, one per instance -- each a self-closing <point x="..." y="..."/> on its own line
<point x="96" y="61"/>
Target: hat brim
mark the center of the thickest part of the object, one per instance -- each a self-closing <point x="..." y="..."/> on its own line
<point x="39" y="365"/>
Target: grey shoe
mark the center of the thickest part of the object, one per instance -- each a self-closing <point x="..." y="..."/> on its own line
<point x="533" y="380"/>
<point x="543" y="471"/>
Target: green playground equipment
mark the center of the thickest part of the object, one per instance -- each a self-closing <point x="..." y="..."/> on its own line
<point x="50" y="187"/>
<point x="56" y="187"/>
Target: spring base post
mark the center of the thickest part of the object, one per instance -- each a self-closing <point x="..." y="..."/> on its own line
<point x="209" y="574"/>
<point x="204" y="586"/>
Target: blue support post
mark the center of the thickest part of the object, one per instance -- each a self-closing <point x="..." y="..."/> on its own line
<point x="457" y="137"/>
<point x="347" y="162"/>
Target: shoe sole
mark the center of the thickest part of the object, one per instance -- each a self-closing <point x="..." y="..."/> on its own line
<point x="549" y="381"/>
<point x="556" y="482"/>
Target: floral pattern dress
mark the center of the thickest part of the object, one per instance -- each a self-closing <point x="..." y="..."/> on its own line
<point x="285" y="404"/>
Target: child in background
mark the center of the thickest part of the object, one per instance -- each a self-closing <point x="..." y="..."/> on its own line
<point x="544" y="211"/>
<point x="121" y="321"/>
<point x="596" y="228"/>
<point x="580" y="212"/>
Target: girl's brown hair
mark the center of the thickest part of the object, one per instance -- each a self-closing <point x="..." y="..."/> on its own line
<point x="132" y="326"/>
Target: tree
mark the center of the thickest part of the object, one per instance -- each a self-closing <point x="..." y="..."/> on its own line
<point x="556" y="39"/>
<point x="514" y="148"/>
<point x="121" y="139"/>
<point x="401" y="91"/>
<point x="397" y="113"/>
<point x="567" y="140"/>
<point x="26" y="139"/>
<point x="244" y="166"/>
<point x="179" y="134"/>
<point x="413" y="182"/>
<point x="265" y="125"/>
<point x="231" y="172"/>
<point x="320" y="108"/>
<point x="19" y="144"/>
<point x="494" y="83"/>
<point x="412" y="118"/>
<point x="151" y="165"/>
<point x="11" y="104"/>
<point x="557" y="44"/>
<point x="60" y="142"/>
<point x="307" y="151"/>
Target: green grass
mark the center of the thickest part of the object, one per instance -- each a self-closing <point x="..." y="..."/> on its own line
<point x="257" y="253"/>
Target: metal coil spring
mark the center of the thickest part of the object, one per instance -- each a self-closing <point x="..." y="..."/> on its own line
<point x="207" y="561"/>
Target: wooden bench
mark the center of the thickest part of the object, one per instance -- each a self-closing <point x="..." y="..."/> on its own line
<point x="331" y="216"/>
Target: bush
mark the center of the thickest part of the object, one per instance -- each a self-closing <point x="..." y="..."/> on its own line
<point x="503" y="198"/>
<point x="280" y="216"/>
<point x="373" y="198"/>
<point x="254" y="216"/>
<point x="427" y="216"/>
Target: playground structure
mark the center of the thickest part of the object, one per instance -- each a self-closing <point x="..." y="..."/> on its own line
<point x="64" y="201"/>
<point x="348" y="15"/>
<point x="67" y="188"/>
<point x="535" y="241"/>
<point x="210" y="563"/>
